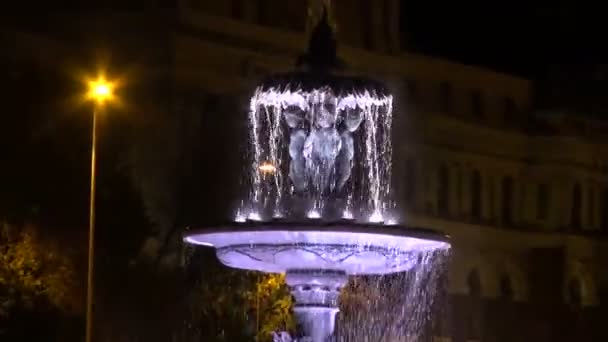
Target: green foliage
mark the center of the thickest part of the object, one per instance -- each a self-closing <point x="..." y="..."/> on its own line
<point x="272" y="298"/>
<point x="32" y="269"/>
<point x="233" y="305"/>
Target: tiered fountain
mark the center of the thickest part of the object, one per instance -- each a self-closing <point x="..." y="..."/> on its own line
<point x="319" y="203"/>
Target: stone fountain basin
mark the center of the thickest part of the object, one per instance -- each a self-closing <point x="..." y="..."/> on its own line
<point x="349" y="247"/>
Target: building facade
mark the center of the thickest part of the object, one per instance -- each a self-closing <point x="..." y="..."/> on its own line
<point x="522" y="192"/>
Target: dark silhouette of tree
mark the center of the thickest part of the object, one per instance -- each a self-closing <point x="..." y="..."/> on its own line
<point x="37" y="284"/>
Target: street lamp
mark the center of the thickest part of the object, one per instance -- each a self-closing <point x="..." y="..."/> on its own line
<point x="100" y="92"/>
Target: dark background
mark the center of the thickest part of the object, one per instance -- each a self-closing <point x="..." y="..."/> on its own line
<point x="44" y="147"/>
<point x="520" y="37"/>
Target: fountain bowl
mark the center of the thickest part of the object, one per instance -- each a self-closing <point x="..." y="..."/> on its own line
<point x="348" y="247"/>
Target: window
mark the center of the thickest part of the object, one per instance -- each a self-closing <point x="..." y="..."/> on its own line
<point x="474" y="315"/>
<point x="507" y="200"/>
<point x="542" y="202"/>
<point x="458" y="190"/>
<point x="476" y="195"/>
<point x="267" y="13"/>
<point x="445" y="93"/>
<point x="296" y="15"/>
<point x="477" y="104"/>
<point x="412" y="89"/>
<point x="443" y="191"/>
<point x="367" y="26"/>
<point x="238" y="10"/>
<point x="474" y="283"/>
<point x="491" y="198"/>
<point x="604" y="209"/>
<point x="509" y="109"/>
<point x="575" y="292"/>
<point x="591" y="207"/>
<point x="506" y="287"/>
<point x="577" y="206"/>
<point x="410" y="174"/>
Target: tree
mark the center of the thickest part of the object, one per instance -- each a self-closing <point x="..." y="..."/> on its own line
<point x="31" y="268"/>
<point x="236" y="305"/>
<point x="271" y="298"/>
<point x="37" y="278"/>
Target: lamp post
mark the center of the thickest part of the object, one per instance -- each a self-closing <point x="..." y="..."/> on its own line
<point x="100" y="91"/>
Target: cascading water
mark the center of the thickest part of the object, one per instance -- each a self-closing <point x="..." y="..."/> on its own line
<point x="395" y="307"/>
<point x="319" y="207"/>
<point x="313" y="138"/>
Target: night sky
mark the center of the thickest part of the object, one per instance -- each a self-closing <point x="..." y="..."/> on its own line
<point x="520" y="37"/>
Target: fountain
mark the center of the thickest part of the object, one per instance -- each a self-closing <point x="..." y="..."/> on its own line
<point x="319" y="206"/>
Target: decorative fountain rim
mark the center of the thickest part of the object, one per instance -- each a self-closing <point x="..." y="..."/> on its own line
<point x="310" y="81"/>
<point x="317" y="225"/>
<point x="344" y="246"/>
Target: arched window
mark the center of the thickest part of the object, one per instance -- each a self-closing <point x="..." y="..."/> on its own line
<point x="577" y="206"/>
<point x="476" y="195"/>
<point x="410" y="184"/>
<point x="506" y="287"/>
<point x="507" y="200"/>
<point x="443" y="190"/>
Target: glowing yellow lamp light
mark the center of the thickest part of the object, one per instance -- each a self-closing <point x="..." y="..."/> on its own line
<point x="267" y="168"/>
<point x="100" y="90"/>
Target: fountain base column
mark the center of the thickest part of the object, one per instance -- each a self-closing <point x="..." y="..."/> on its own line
<point x="316" y="294"/>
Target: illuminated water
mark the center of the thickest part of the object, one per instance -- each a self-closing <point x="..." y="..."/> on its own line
<point x="317" y="154"/>
<point x="395" y="307"/>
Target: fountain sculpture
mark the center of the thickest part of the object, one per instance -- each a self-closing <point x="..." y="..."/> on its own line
<point x="319" y="203"/>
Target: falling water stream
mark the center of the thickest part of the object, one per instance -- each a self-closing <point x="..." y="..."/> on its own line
<point x="395" y="307"/>
<point x="334" y="149"/>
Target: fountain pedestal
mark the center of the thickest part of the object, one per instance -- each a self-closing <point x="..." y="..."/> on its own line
<point x="316" y="295"/>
